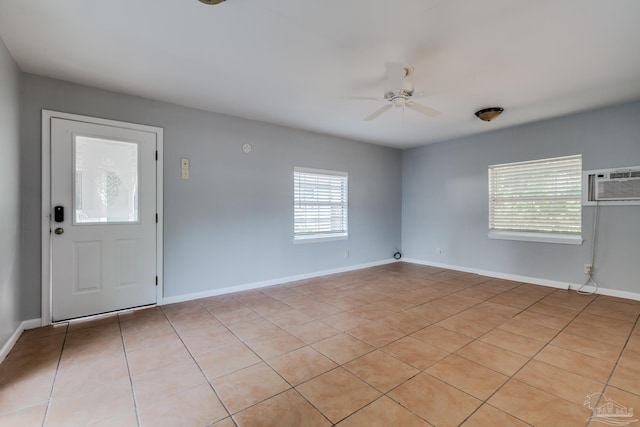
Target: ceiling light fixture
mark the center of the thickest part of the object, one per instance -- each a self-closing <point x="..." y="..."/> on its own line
<point x="488" y="114"/>
<point x="211" y="1"/>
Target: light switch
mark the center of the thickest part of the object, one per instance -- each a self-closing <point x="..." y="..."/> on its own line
<point x="184" y="168"/>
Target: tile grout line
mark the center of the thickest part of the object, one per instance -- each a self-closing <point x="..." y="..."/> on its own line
<point x="242" y="342"/>
<point x="261" y="294"/>
<point x="486" y="400"/>
<point x="496" y="327"/>
<point x="492" y="329"/>
<point x="198" y="365"/>
<point x="534" y="355"/>
<point x="635" y="324"/>
<point x="420" y="371"/>
<point x="126" y="358"/>
<point x="423" y="371"/>
<point x="49" y="401"/>
<point x="292" y="387"/>
<point x="404" y="336"/>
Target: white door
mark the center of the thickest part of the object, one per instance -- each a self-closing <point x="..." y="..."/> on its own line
<point x="103" y="218"/>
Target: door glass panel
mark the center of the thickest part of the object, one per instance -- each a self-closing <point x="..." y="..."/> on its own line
<point x="106" y="181"/>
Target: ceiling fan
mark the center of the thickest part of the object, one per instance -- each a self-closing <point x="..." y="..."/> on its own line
<point x="399" y="92"/>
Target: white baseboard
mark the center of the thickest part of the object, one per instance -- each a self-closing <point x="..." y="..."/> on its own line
<point x="23" y="326"/>
<point x="266" y="283"/>
<point x="611" y="292"/>
<point x="498" y="275"/>
<point x="528" y="279"/>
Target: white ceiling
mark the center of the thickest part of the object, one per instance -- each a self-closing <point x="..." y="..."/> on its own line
<point x="295" y="62"/>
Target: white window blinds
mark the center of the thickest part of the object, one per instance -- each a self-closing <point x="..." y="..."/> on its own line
<point x="541" y="196"/>
<point x="320" y="204"/>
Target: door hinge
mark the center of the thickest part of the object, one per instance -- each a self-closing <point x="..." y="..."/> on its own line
<point x="156" y="155"/>
<point x="156" y="218"/>
<point x="156" y="280"/>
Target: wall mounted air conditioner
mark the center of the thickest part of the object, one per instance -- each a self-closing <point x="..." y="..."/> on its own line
<point x="619" y="186"/>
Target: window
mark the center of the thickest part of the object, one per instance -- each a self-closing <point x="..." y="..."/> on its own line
<point x="320" y="204"/>
<point x="538" y="200"/>
<point x="106" y="181"/>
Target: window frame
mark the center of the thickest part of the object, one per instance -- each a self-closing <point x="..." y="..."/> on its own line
<point x="561" y="237"/>
<point x="321" y="236"/>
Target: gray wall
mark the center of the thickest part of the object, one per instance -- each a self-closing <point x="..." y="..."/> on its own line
<point x="232" y="222"/>
<point x="9" y="194"/>
<point x="445" y="199"/>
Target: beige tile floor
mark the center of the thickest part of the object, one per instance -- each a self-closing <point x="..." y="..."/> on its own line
<point x="398" y="345"/>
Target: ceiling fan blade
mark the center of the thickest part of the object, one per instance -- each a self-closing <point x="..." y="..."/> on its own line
<point x="364" y="98"/>
<point x="395" y="74"/>
<point x="423" y="109"/>
<point x="377" y="113"/>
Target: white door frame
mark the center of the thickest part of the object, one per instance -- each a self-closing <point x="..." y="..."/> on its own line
<point x="47" y="116"/>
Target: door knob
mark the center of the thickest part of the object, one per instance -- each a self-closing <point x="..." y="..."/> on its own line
<point x="59" y="230"/>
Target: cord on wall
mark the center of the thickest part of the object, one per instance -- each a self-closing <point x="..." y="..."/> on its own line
<point x="594" y="242"/>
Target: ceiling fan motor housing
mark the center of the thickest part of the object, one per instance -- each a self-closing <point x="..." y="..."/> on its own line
<point x="402" y="93"/>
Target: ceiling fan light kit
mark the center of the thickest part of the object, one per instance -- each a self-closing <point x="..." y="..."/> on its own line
<point x="211" y="2"/>
<point x="488" y="114"/>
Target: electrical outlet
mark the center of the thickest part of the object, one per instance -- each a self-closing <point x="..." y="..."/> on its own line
<point x="588" y="268"/>
<point x="346" y="253"/>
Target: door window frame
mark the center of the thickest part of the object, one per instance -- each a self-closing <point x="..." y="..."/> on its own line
<point x="47" y="116"/>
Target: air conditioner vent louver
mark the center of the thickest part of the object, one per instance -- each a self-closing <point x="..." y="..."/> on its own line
<point x="618" y="185"/>
<point x="619" y="175"/>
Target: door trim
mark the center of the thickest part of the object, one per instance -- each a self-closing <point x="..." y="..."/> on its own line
<point x="47" y="116"/>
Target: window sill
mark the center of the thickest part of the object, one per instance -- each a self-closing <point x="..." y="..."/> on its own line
<point x="314" y="239"/>
<point x="564" y="239"/>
